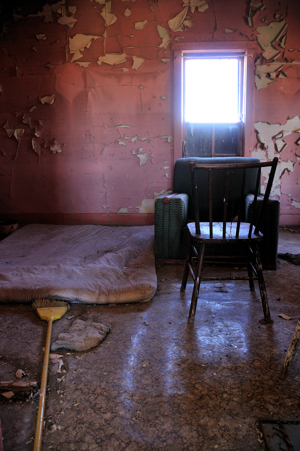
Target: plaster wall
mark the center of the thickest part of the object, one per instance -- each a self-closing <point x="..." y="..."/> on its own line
<point x="86" y="102"/>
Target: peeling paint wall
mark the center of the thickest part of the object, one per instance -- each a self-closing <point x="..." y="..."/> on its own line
<point x="86" y="102"/>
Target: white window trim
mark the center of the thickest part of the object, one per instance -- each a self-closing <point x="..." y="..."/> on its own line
<point x="179" y="49"/>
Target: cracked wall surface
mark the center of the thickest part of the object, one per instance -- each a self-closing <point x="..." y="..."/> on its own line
<point x="86" y="101"/>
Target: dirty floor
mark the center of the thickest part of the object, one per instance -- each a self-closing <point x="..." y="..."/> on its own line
<point x="156" y="382"/>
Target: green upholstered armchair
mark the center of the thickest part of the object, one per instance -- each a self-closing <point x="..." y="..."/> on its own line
<point x="174" y="211"/>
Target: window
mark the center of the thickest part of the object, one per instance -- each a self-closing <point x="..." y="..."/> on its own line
<point x="213" y="89"/>
<point x="211" y="99"/>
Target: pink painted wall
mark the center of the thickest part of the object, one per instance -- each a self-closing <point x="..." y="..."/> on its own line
<point x="104" y="149"/>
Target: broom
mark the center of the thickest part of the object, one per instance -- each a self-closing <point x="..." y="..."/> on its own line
<point x="48" y="310"/>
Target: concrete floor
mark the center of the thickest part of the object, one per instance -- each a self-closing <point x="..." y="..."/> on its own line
<point x="155" y="382"/>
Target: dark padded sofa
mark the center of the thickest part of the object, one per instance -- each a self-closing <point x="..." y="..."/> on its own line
<point x="174" y="211"/>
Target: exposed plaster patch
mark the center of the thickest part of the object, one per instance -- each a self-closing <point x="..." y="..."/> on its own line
<point x="41" y="37"/>
<point x="78" y="43"/>
<point x="112" y="59"/>
<point x="143" y="158"/>
<point x="36" y="146"/>
<point x="164" y="35"/>
<point x="107" y="15"/>
<point x="295" y="204"/>
<point x="163" y="192"/>
<point x="47" y="99"/>
<point x="268" y="34"/>
<point x="137" y="62"/>
<point x="201" y="5"/>
<point x="123" y="210"/>
<point x="266" y="74"/>
<point x="18" y="133"/>
<point x="47" y="13"/>
<point x="55" y="147"/>
<point x="140" y="25"/>
<point x="169" y="138"/>
<point x="127" y="12"/>
<point x="70" y="21"/>
<point x="188" y="23"/>
<point x="147" y="206"/>
<point x="271" y="135"/>
<point x="176" y="23"/>
<point x="82" y="63"/>
<point x="253" y="9"/>
<point x="229" y="30"/>
<point x="272" y="42"/>
<point x="27" y="120"/>
<point x="9" y="131"/>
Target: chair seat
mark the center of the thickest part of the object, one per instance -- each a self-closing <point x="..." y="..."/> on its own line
<point x="217" y="228"/>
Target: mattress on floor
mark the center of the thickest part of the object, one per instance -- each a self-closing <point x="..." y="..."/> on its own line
<point x="89" y="264"/>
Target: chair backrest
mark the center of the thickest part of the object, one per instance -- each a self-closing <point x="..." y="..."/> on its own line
<point x="182" y="183"/>
<point x="228" y="204"/>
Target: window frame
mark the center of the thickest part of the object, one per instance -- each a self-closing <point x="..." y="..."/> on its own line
<point x="225" y="47"/>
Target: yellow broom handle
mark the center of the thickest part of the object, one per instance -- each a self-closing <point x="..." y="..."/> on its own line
<point x="40" y="417"/>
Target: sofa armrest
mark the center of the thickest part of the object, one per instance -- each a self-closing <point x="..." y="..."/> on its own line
<point x="270" y="229"/>
<point x="170" y="217"/>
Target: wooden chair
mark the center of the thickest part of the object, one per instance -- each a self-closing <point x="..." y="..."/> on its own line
<point x="228" y="230"/>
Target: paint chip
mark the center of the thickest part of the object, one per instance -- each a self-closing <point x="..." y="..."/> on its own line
<point x="67" y="18"/>
<point x="78" y="43"/>
<point x="55" y="147"/>
<point x="18" y="133"/>
<point x="41" y="37"/>
<point x="112" y="58"/>
<point x="83" y="63"/>
<point x="36" y="146"/>
<point x="270" y="33"/>
<point x="143" y="157"/>
<point x="107" y="15"/>
<point x="271" y="135"/>
<point x="266" y="73"/>
<point x="47" y="99"/>
<point x="164" y="35"/>
<point x="137" y="62"/>
<point x="175" y="24"/>
<point x="140" y="25"/>
<point x="283" y="316"/>
<point x="147" y="206"/>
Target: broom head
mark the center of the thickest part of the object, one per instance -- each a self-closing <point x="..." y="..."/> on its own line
<point x="50" y="309"/>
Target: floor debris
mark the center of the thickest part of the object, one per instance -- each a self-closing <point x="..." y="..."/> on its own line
<point x="81" y="336"/>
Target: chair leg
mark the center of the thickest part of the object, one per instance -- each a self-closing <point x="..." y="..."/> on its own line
<point x="250" y="275"/>
<point x="197" y="283"/>
<point x="291" y="352"/>
<point x="262" y="287"/>
<point x="186" y="269"/>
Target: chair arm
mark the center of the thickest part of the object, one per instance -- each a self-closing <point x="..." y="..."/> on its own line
<point x="270" y="229"/>
<point x="170" y="217"/>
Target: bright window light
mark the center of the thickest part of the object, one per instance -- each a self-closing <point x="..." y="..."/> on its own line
<point x="211" y="90"/>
